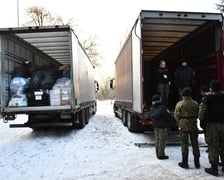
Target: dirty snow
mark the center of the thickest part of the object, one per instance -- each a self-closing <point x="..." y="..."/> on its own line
<point x="104" y="149"/>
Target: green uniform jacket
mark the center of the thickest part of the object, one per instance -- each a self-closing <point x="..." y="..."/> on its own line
<point x="186" y="113"/>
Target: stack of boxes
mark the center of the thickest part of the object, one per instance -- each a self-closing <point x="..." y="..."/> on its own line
<point x="61" y="93"/>
<point x="60" y="97"/>
<point x="39" y="91"/>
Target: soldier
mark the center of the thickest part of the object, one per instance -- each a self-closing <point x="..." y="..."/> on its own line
<point x="160" y="120"/>
<point x="203" y="91"/>
<point x="186" y="112"/>
<point x="162" y="78"/>
<point x="211" y="109"/>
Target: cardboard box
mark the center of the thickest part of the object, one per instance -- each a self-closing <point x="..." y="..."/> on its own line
<point x="55" y="97"/>
<point x="60" y="96"/>
<point x="65" y="96"/>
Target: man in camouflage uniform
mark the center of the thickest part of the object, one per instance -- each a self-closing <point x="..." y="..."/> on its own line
<point x="211" y="109"/>
<point x="186" y="112"/>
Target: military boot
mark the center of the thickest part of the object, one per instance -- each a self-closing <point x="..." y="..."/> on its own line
<point x="213" y="170"/>
<point x="221" y="163"/>
<point x="184" y="163"/>
<point x="197" y="162"/>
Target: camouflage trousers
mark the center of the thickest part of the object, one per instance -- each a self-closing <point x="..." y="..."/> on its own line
<point x="215" y="140"/>
<point x="160" y="141"/>
<point x="184" y="137"/>
<point x="163" y="91"/>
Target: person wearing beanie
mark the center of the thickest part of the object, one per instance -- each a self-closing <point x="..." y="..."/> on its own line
<point x="160" y="120"/>
<point x="186" y="113"/>
<point x="211" y="109"/>
<point x="184" y="77"/>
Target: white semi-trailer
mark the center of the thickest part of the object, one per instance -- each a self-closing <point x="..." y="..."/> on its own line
<point x="47" y="47"/>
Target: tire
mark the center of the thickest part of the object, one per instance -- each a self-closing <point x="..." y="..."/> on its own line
<point x="124" y="117"/>
<point x="115" y="113"/>
<point x="132" y="124"/>
<point x="87" y="115"/>
<point x="81" y="117"/>
<point x="95" y="108"/>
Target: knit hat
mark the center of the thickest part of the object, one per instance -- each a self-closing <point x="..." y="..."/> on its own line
<point x="204" y="88"/>
<point x="214" y="85"/>
<point x="186" y="91"/>
<point x="156" y="99"/>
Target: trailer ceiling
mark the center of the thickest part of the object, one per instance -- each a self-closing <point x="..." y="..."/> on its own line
<point x="162" y="30"/>
<point x="52" y="40"/>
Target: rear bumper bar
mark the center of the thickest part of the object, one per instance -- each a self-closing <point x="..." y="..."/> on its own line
<point x="33" y="109"/>
<point x="41" y="125"/>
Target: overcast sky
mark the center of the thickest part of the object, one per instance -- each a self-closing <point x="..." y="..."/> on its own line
<point x="109" y="20"/>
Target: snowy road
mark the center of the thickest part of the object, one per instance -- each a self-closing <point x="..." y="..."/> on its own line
<point x="104" y="149"/>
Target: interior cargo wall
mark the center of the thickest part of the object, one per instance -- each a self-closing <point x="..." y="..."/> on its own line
<point x="83" y="74"/>
<point x="123" y="68"/>
<point x="201" y="54"/>
<point x="13" y="53"/>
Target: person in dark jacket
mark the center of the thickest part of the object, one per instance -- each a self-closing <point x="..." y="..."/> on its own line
<point x="160" y="120"/>
<point x="211" y="109"/>
<point x="163" y="82"/>
<point x="184" y="77"/>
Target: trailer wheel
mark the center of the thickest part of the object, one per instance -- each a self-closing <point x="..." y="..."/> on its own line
<point x="115" y="113"/>
<point x="81" y="118"/>
<point x="132" y="124"/>
<point x="87" y="115"/>
<point x="95" y="108"/>
<point x="124" y="117"/>
<point x="32" y="120"/>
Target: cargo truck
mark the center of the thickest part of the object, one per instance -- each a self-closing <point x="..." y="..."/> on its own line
<point x="169" y="36"/>
<point x="70" y="104"/>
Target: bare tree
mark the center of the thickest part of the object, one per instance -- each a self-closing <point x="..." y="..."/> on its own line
<point x="91" y="48"/>
<point x="39" y="16"/>
<point x="104" y="91"/>
<point x="57" y="20"/>
<point x="220" y="6"/>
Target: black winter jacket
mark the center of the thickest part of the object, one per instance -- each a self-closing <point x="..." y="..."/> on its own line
<point x="162" y="76"/>
<point x="212" y="108"/>
<point x="184" y="77"/>
<point x="159" y="115"/>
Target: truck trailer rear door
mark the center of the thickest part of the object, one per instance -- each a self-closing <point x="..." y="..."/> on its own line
<point x="137" y="68"/>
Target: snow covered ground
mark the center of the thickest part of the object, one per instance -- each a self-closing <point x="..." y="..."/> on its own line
<point x="104" y="149"/>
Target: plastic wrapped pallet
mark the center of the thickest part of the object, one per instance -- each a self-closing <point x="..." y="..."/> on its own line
<point x="18" y="101"/>
<point x="18" y="87"/>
